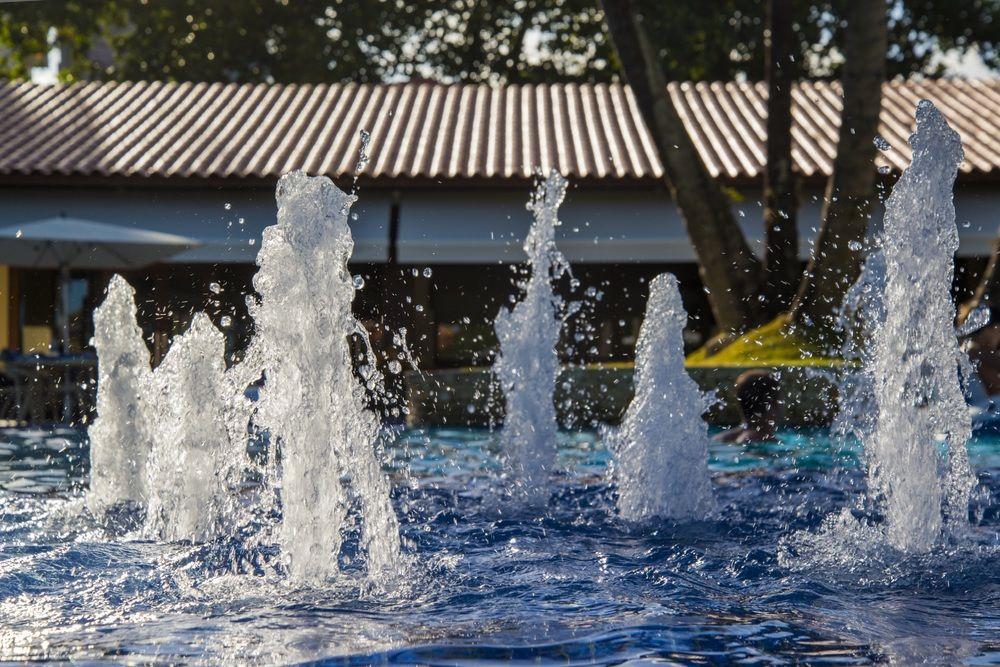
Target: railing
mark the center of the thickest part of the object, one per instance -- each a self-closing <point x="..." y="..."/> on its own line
<point x="40" y="389"/>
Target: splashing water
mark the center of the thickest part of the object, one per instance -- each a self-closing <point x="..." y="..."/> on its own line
<point x="192" y="461"/>
<point x="661" y="448"/>
<point x="916" y="358"/>
<point x="905" y="396"/>
<point x="119" y="436"/>
<point x="174" y="440"/>
<point x="161" y="442"/>
<point x="861" y="317"/>
<point x="365" y="136"/>
<point x="311" y="402"/>
<point x="528" y="364"/>
<point x="976" y="320"/>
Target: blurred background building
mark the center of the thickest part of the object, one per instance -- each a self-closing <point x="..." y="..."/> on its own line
<point x="440" y="216"/>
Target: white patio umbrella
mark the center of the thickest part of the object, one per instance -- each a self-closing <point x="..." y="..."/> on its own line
<point x="70" y="243"/>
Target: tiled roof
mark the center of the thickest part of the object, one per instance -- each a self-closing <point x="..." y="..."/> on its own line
<point x="436" y="131"/>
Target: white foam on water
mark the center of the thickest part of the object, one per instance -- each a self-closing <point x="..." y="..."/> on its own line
<point x="119" y="436"/>
<point x="661" y="447"/>
<point x="527" y="365"/>
<point x="311" y="403"/>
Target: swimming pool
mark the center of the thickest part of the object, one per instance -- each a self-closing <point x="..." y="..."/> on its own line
<point x="486" y="581"/>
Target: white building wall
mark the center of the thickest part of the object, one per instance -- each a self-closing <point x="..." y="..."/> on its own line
<point x="618" y="225"/>
<point x="211" y="216"/>
<point x="442" y="226"/>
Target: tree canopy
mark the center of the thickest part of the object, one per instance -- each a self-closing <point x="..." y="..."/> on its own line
<point x="468" y="40"/>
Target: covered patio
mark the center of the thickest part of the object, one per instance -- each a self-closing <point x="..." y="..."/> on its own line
<point x="450" y="172"/>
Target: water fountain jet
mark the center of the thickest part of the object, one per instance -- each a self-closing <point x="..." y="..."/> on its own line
<point x="119" y="437"/>
<point x="311" y="403"/>
<point x="193" y="465"/>
<point x="915" y="362"/>
<point x="661" y="447"/>
<point x="906" y="395"/>
<point x="528" y="365"/>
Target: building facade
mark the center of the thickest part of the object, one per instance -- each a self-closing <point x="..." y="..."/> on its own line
<point x="440" y="215"/>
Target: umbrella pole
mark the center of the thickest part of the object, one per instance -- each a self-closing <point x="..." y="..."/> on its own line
<point x="64" y="337"/>
<point x="64" y="309"/>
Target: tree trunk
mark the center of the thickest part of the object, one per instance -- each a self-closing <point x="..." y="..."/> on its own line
<point x="987" y="291"/>
<point x="836" y="260"/>
<point x="781" y="257"/>
<point x="729" y="270"/>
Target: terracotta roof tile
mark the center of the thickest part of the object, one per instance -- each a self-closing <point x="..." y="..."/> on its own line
<point x="436" y="131"/>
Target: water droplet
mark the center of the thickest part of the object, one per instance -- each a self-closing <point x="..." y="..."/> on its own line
<point x="252" y="241"/>
<point x="18" y="234"/>
<point x="428" y="272"/>
<point x="881" y="143"/>
<point x="228" y="206"/>
<point x="359" y="281"/>
<point x="215" y="288"/>
<point x="975" y="321"/>
<point x="854" y="245"/>
<point x="226" y="321"/>
<point x="365" y="137"/>
<point x="354" y="217"/>
<point x="395" y="367"/>
<point x="419" y="308"/>
<point x="883" y="169"/>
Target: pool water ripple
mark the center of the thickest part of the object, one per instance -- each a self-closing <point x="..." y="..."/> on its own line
<point x="487" y="581"/>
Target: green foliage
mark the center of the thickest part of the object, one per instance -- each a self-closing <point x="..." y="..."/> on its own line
<point x="469" y="40"/>
<point x="308" y="40"/>
<point x="728" y="41"/>
<point x="24" y="33"/>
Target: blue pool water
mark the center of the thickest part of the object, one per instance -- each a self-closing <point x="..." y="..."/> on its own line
<point x="485" y="582"/>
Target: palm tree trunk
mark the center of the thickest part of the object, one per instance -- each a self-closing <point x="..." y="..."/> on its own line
<point x="781" y="260"/>
<point x="988" y="290"/>
<point x="837" y="257"/>
<point x="729" y="270"/>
